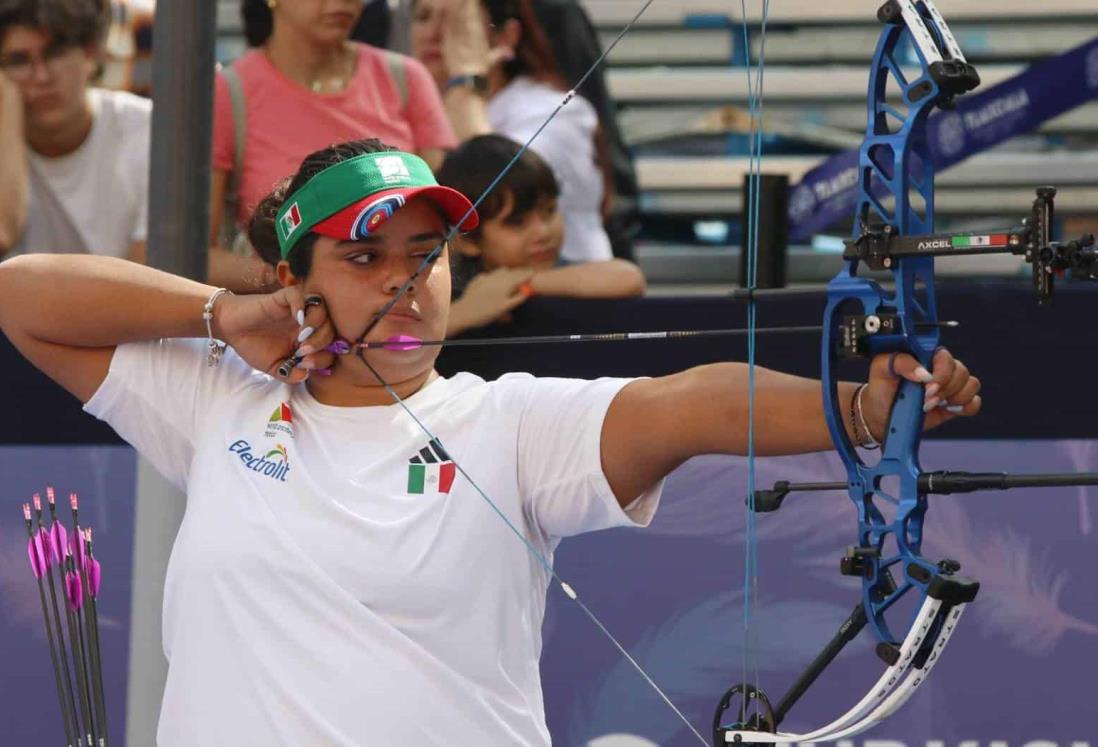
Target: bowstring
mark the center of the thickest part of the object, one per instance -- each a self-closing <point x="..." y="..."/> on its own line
<point x="750" y="665"/>
<point x="431" y="257"/>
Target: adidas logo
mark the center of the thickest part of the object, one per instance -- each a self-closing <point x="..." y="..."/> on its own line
<point x="430" y="470"/>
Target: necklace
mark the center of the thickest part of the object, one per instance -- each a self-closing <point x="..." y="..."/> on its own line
<point x="347" y="62"/>
<point x="336" y="83"/>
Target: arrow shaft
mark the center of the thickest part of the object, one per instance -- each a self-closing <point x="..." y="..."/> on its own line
<point x="67" y="680"/>
<point x="598" y="337"/>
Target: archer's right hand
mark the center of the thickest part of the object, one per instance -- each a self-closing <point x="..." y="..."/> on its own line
<point x="266" y="329"/>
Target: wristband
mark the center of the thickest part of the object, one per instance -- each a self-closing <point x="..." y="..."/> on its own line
<point x="478" y="84"/>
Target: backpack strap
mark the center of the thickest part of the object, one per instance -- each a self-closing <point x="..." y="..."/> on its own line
<point x="398" y="74"/>
<point x="240" y="129"/>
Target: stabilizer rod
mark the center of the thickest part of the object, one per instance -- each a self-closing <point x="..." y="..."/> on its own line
<point x="943" y="482"/>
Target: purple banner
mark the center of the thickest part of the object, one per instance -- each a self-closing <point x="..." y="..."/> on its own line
<point x="827" y="194"/>
<point x="103" y="477"/>
<point x="1019" y="672"/>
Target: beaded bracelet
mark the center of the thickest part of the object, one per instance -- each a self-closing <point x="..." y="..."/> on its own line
<point x="215" y="348"/>
<point x="857" y="417"/>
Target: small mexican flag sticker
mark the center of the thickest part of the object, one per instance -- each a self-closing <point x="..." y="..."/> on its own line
<point x="964" y="242"/>
<point x="291" y="220"/>
<point x="430" y="471"/>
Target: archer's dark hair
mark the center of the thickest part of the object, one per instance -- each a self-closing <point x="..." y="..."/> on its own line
<point x="76" y="23"/>
<point x="261" y="226"/>
<point x="533" y="55"/>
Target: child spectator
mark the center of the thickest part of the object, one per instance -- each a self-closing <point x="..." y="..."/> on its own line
<point x="65" y="147"/>
<point x="515" y="252"/>
<point x="304" y="86"/>
<point x="498" y="74"/>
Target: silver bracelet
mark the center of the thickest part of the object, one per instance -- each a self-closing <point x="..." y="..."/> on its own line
<point x="214" y="348"/>
<point x="872" y="443"/>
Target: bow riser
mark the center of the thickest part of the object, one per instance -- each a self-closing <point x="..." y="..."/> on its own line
<point x="896" y="188"/>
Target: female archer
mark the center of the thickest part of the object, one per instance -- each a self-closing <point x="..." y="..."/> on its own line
<point x="338" y="577"/>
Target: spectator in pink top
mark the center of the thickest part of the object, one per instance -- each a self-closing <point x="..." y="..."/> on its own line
<point x="306" y="86"/>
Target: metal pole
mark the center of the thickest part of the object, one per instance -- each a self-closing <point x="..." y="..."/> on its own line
<point x="179" y="176"/>
<point x="183" y="69"/>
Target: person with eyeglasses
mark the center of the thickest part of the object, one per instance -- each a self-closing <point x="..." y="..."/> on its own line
<point x="65" y="146"/>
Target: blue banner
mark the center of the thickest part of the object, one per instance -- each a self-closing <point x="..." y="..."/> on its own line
<point x="827" y="194"/>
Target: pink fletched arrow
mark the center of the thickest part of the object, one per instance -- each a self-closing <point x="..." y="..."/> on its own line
<point x="94" y="570"/>
<point x="76" y="538"/>
<point x="35" y="552"/>
<point x="59" y="539"/>
<point x="77" y="548"/>
<point x="59" y="536"/>
<point x="49" y="552"/>
<point x="74" y="589"/>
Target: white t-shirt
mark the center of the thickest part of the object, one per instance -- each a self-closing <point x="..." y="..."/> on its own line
<point x="334" y="582"/>
<point x="94" y="199"/>
<point x="567" y="144"/>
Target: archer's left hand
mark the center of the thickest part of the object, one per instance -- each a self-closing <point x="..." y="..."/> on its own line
<point x="950" y="391"/>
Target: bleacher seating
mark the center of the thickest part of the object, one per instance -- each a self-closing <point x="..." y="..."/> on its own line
<point x="680" y="64"/>
<point x="683" y="60"/>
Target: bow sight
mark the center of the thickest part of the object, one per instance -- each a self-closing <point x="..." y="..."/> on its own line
<point x="879" y="245"/>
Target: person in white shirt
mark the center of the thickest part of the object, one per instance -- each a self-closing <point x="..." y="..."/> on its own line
<point x="76" y="159"/>
<point x="338" y="578"/>
<point x="496" y="70"/>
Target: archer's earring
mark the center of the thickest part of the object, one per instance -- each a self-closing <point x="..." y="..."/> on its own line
<point x="272" y="4"/>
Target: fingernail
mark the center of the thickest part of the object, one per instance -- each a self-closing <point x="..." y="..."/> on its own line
<point x="300" y="317"/>
<point x="304" y="334"/>
<point x="930" y="404"/>
<point x="323" y="372"/>
<point x="931" y="389"/>
<point x="304" y="350"/>
<point x="956" y="409"/>
<point x="923" y="375"/>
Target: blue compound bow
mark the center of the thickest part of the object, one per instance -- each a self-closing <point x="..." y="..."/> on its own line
<point x="894" y="223"/>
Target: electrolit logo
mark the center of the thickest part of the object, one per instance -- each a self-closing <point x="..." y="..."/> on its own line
<point x="274" y="464"/>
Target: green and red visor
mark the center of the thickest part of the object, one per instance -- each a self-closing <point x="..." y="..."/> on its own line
<point x="350" y="199"/>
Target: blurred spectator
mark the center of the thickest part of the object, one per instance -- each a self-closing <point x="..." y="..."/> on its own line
<point x="304" y="86"/>
<point x="498" y="74"/>
<point x="75" y="160"/>
<point x="514" y="253"/>
<point x="127" y="51"/>
<point x="576" y="46"/>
